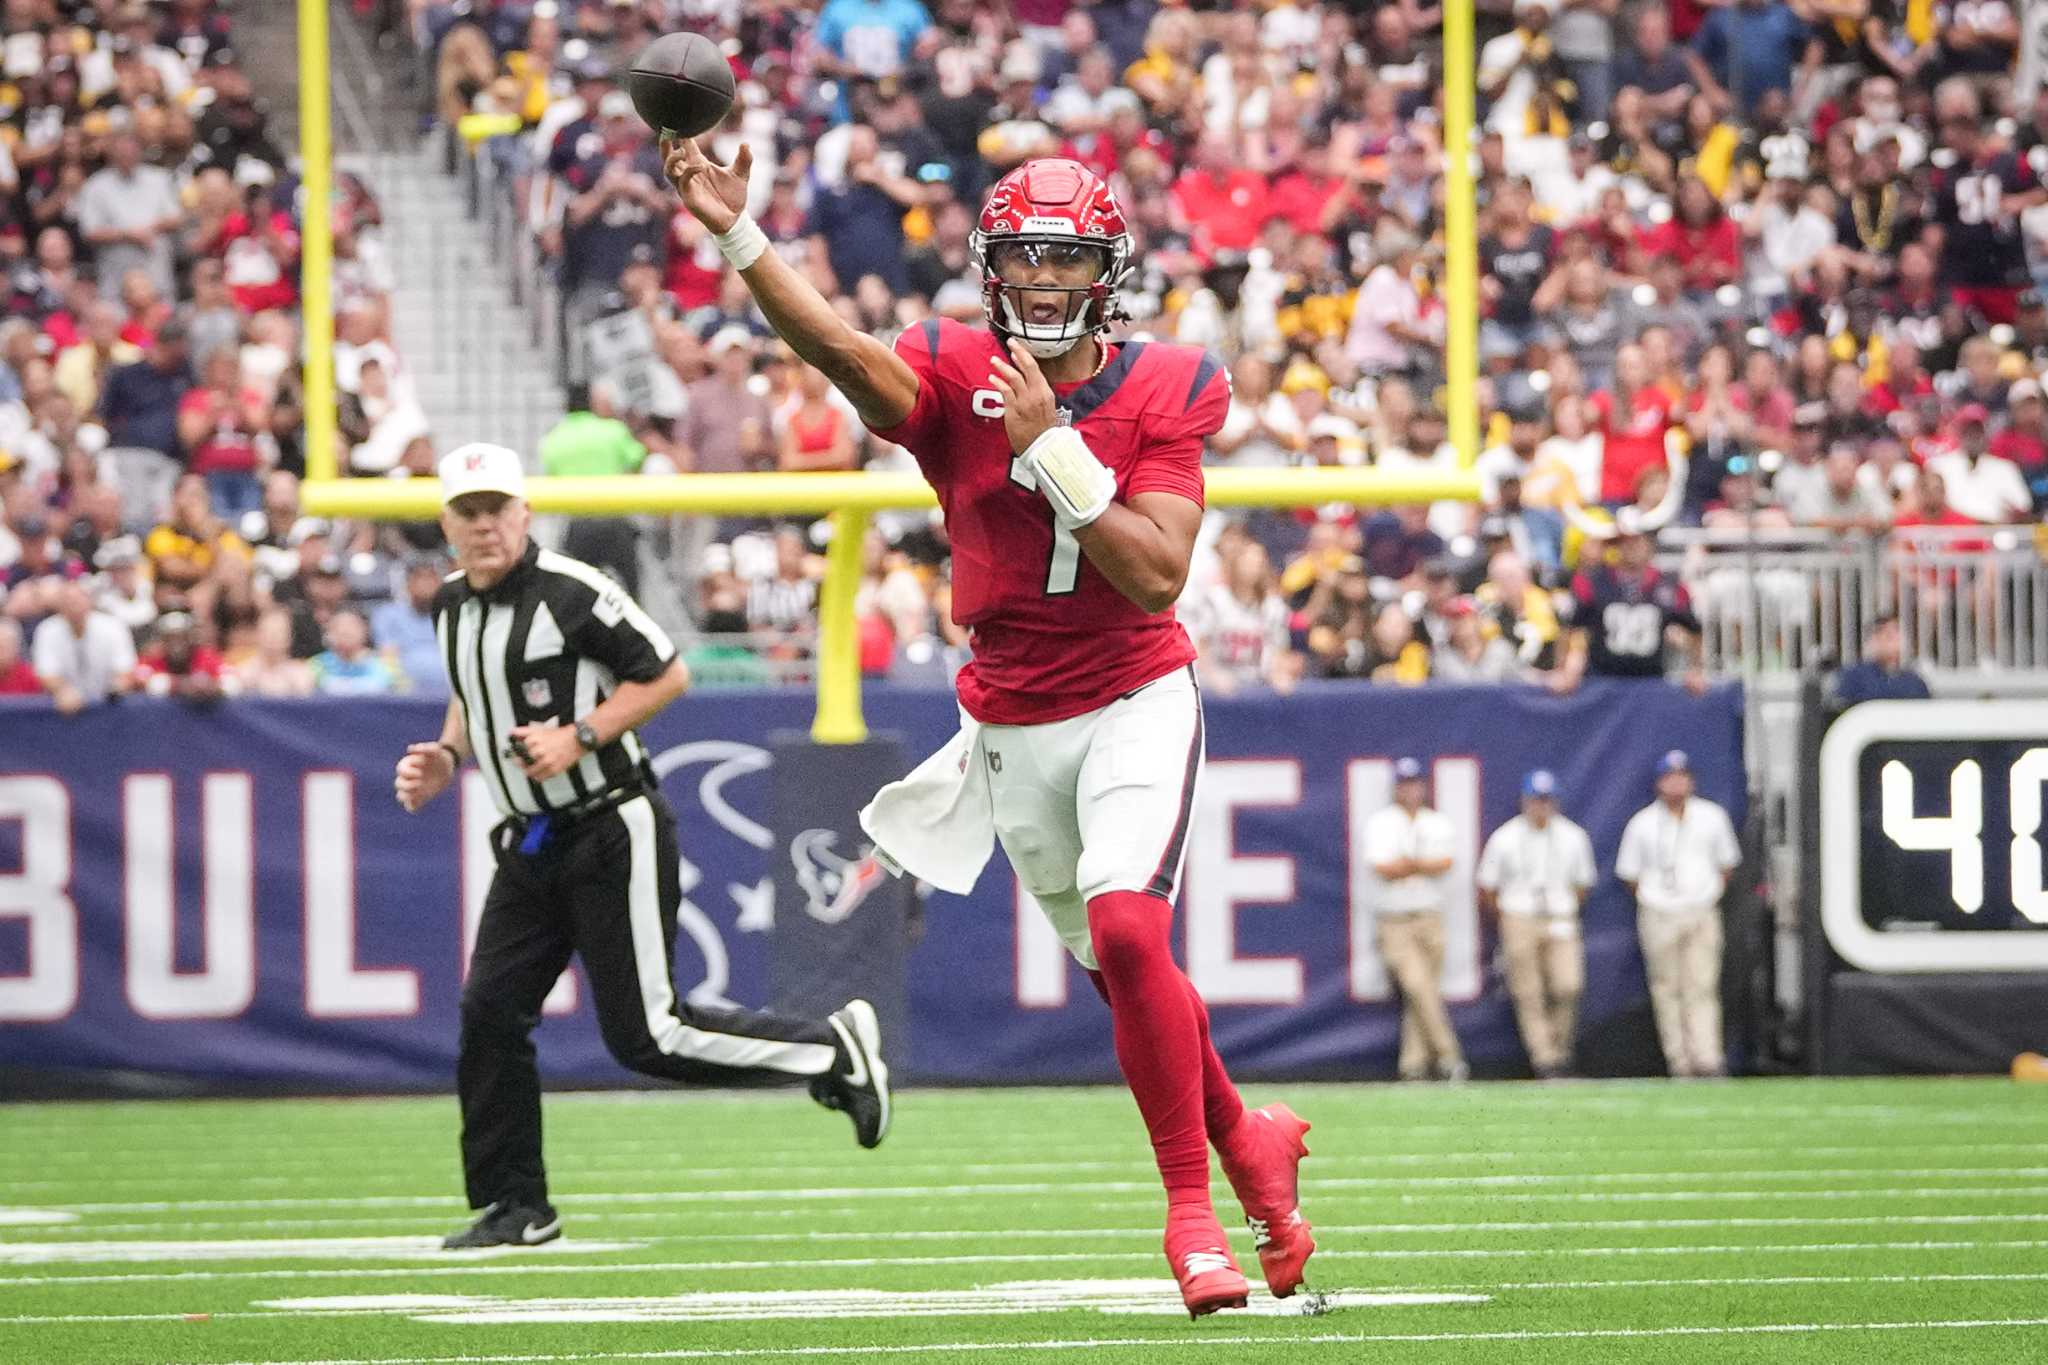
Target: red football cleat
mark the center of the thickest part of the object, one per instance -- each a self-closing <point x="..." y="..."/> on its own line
<point x="1262" y="1159"/>
<point x="1202" y="1263"/>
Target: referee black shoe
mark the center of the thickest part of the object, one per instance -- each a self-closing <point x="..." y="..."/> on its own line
<point x="859" y="1087"/>
<point x="507" y="1225"/>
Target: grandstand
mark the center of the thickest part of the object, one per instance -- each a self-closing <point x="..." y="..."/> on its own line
<point x="1765" y="282"/>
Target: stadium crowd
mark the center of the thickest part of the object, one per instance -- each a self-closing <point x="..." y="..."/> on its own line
<point x="151" y="414"/>
<point x="1801" y="248"/>
<point x="1797" y="246"/>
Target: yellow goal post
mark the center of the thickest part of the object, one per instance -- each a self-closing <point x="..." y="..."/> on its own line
<point x="850" y="498"/>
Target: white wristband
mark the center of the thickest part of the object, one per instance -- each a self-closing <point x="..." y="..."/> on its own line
<point x="742" y="243"/>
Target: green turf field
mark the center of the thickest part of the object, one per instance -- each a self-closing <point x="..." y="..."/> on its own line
<point x="1785" y="1221"/>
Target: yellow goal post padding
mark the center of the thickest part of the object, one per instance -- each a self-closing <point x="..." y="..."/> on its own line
<point x="850" y="498"/>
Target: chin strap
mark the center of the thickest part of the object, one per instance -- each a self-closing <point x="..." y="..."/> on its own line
<point x="1079" y="486"/>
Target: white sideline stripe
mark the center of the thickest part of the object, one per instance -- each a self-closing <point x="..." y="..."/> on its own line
<point x="1150" y="1187"/>
<point x="1194" y="1343"/>
<point x="1077" y="1234"/>
<point x="426" y="1301"/>
<point x="279" y="1248"/>
<point x="522" y="1266"/>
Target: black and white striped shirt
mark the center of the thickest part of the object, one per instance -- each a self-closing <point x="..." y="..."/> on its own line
<point x="544" y="646"/>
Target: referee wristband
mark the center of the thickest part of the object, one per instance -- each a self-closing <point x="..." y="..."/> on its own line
<point x="454" y="754"/>
<point x="742" y="243"/>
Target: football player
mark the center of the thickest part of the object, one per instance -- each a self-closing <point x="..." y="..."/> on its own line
<point x="1068" y="469"/>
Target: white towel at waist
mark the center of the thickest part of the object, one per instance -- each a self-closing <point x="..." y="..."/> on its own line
<point x="938" y="823"/>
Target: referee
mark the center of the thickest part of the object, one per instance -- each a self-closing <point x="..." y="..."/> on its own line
<point x="553" y="666"/>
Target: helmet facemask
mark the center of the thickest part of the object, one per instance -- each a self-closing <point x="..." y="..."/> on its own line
<point x="1088" y="305"/>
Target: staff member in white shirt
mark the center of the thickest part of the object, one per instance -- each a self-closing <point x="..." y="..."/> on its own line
<point x="1536" y="871"/>
<point x="1676" y="854"/>
<point x="1409" y="846"/>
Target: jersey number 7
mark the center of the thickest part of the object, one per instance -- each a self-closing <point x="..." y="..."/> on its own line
<point x="1063" y="568"/>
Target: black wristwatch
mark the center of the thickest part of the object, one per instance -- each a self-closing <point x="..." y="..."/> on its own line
<point x="587" y="737"/>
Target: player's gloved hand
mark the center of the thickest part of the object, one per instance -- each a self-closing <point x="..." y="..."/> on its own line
<point x="1079" y="486"/>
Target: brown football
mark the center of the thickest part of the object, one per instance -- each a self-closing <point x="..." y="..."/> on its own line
<point x="681" y="84"/>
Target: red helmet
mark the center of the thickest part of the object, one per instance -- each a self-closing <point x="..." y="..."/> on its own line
<point x="1047" y="205"/>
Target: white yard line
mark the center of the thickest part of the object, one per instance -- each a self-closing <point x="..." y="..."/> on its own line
<point x="1036" y="1188"/>
<point x="1096" y="1233"/>
<point x="583" y="1160"/>
<point x="1163" y="1343"/>
<point x="579" y="1206"/>
<point x="1532" y="1286"/>
<point x="521" y="1266"/>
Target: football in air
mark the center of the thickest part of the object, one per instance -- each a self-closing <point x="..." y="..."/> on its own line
<point x="681" y="84"/>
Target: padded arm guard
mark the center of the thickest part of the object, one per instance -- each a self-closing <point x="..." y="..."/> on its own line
<point x="1079" y="486"/>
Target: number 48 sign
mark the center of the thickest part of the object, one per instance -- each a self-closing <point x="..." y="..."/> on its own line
<point x="1991" y="753"/>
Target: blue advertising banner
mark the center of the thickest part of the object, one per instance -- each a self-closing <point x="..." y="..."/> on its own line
<point x="230" y="894"/>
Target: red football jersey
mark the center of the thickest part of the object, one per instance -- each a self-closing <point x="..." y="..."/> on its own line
<point x="1052" y="637"/>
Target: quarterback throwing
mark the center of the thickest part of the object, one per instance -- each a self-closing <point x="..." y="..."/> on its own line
<point x="1068" y="469"/>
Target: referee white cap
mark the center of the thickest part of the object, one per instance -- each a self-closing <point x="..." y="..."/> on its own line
<point x="481" y="467"/>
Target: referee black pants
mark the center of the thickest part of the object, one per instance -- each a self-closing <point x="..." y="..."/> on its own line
<point x="605" y="889"/>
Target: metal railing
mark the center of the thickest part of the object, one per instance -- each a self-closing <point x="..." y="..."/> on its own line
<point x="1790" y="601"/>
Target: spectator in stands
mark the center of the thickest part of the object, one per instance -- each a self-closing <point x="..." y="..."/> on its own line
<point x="403" y="630"/>
<point x="1513" y="607"/>
<point x="1240" y="625"/>
<point x="141" y="401"/>
<point x="316" y="597"/>
<point x="81" y="369"/>
<point x="270" y="670"/>
<point x="219" y="421"/>
<point x="1749" y="49"/>
<point x="1838" y="501"/>
<point x="83" y="656"/>
<point x="727" y="427"/>
<point x="592" y="442"/>
<point x="29" y="586"/>
<point x="872" y="38"/>
<point x="784" y="601"/>
<point x="858" y="221"/>
<point x="1469" y="654"/>
<point x="1398" y="542"/>
<point x="176" y="664"/>
<point x="211" y="319"/>
<point x="1981" y="486"/>
<point x="1636" y="421"/>
<point x="119" y="588"/>
<point x="17" y="677"/>
<point x="127" y="213"/>
<point x="347" y="667"/>
<point x="1623" y="613"/>
<point x="1882" y="674"/>
<point x="183" y="550"/>
<point x="617" y="213"/>
<point x="814" y="428"/>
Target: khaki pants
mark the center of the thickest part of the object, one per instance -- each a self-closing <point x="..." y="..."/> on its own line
<point x="1546" y="963"/>
<point x="1683" y="955"/>
<point x="1412" y="946"/>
